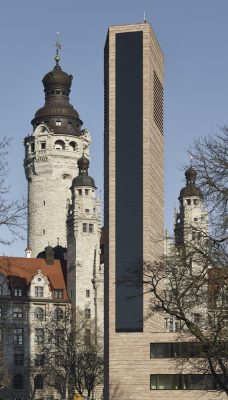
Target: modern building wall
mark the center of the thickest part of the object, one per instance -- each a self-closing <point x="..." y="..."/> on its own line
<point x="134" y="205"/>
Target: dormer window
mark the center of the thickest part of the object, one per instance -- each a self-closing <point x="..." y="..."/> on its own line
<point x="58" y="293"/>
<point x="39" y="291"/>
<point x="18" y="292"/>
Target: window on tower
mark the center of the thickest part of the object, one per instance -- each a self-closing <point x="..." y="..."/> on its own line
<point x="188" y="201"/>
<point x="87" y="313"/>
<point x="59" y="144"/>
<point x="86" y="192"/>
<point x="195" y="202"/>
<point x="90" y="228"/>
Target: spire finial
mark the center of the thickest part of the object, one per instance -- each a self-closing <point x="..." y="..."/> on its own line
<point x="58" y="47"/>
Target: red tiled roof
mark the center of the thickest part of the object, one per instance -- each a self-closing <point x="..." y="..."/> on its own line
<point x="21" y="271"/>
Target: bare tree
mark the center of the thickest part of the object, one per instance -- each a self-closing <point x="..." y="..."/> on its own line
<point x="189" y="285"/>
<point x="4" y="372"/>
<point x="210" y="159"/>
<point x="12" y="212"/>
<point x="73" y="356"/>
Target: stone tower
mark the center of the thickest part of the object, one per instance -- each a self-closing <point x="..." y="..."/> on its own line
<point x="84" y="274"/>
<point x="51" y="154"/>
<point x="191" y="221"/>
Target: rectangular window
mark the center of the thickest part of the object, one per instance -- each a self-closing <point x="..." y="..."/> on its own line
<point x="80" y="192"/>
<point x="17" y="312"/>
<point x="86" y="192"/>
<point x="18" y="360"/>
<point x="18" y="336"/>
<point x="58" y="293"/>
<point x="84" y="227"/>
<point x="158" y="103"/>
<point x="182" y="382"/>
<point x="87" y="210"/>
<point x="58" y="123"/>
<point x="87" y="313"/>
<point x="188" y="202"/>
<point x="39" y="335"/>
<point x="179" y="350"/>
<point x="1" y="335"/>
<point x="91" y="228"/>
<point x="43" y="145"/>
<point x="1" y="290"/>
<point x="18" y="292"/>
<point x="195" y="202"/>
<point x="87" y="293"/>
<point x="39" y="291"/>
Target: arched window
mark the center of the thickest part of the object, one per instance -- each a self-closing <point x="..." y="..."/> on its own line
<point x="58" y="313"/>
<point x="72" y="146"/>
<point x="38" y="382"/>
<point x="59" y="145"/>
<point x="39" y="313"/>
<point x="18" y="381"/>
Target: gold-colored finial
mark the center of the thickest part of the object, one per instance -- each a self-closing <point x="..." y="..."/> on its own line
<point x="58" y="47"/>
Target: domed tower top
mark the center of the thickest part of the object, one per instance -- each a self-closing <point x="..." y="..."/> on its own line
<point x="83" y="179"/>
<point x="57" y="113"/>
<point x="190" y="189"/>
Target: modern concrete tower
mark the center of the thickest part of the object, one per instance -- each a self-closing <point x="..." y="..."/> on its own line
<point x="84" y="274"/>
<point x="191" y="221"/>
<point x="134" y="204"/>
<point x="51" y="154"/>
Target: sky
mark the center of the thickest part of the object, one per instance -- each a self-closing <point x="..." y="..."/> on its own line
<point x="193" y="35"/>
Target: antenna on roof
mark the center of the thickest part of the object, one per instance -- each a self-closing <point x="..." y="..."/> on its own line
<point x="145" y="17"/>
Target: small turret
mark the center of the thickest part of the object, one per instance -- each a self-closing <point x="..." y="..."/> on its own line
<point x="83" y="179"/>
<point x="190" y="189"/>
<point x="191" y="218"/>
